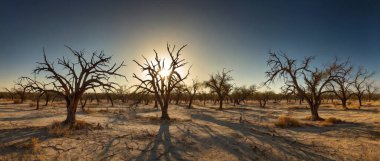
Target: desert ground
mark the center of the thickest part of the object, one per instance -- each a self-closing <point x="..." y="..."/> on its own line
<point x="244" y="132"/>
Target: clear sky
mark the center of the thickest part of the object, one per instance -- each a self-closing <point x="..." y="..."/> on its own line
<point x="220" y="34"/>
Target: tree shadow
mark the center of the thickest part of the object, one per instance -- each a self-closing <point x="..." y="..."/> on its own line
<point x="343" y="130"/>
<point x="153" y="149"/>
<point x="288" y="146"/>
<point x="29" y="117"/>
<point x="12" y="140"/>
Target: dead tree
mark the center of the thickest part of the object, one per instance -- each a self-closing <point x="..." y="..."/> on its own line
<point x="240" y="94"/>
<point x="361" y="78"/>
<point x="78" y="76"/>
<point x="287" y="92"/>
<point x="11" y="93"/>
<point x="341" y="85"/>
<point x="21" y="88"/>
<point x="310" y="83"/>
<point x="219" y="84"/>
<point x="192" y="91"/>
<point x="371" y="89"/>
<point x="39" y="88"/>
<point x="178" y="92"/>
<point x="158" y="83"/>
<point x="122" y="93"/>
<point x="263" y="97"/>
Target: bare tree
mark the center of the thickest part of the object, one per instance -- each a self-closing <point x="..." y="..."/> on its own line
<point x="263" y="97"/>
<point x="340" y="85"/>
<point x="11" y="93"/>
<point x="220" y="84"/>
<point x="78" y="76"/>
<point x="159" y="84"/>
<point x="240" y="94"/>
<point x="21" y="88"/>
<point x="310" y="83"/>
<point x="287" y="92"/>
<point x="178" y="92"/>
<point x="36" y="87"/>
<point x="371" y="89"/>
<point x="192" y="91"/>
<point x="122" y="93"/>
<point x="361" y="78"/>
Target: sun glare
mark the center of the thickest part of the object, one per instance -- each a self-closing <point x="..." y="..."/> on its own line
<point x="164" y="72"/>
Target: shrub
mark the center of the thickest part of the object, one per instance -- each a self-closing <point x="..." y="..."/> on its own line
<point x="33" y="144"/>
<point x="286" y="121"/>
<point x="79" y="125"/>
<point x="331" y="121"/>
<point x="57" y="129"/>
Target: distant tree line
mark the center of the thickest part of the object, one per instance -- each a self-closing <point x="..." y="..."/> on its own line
<point x="87" y="78"/>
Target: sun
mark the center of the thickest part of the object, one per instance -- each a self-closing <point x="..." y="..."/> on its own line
<point x="164" y="72"/>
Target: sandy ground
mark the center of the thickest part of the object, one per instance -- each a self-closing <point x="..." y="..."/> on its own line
<point x="201" y="133"/>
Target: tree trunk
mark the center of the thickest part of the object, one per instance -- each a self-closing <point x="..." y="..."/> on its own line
<point x="155" y="103"/>
<point x="71" y="111"/>
<point x="220" y="104"/>
<point x="164" y="112"/>
<point x="190" y="103"/>
<point x="344" y="103"/>
<point x="314" y="113"/>
<point x="38" y="103"/>
<point x="46" y="99"/>
<point x="360" y="101"/>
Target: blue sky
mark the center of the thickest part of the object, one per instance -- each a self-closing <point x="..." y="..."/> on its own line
<point x="235" y="35"/>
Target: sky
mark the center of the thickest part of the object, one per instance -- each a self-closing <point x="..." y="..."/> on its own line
<point x="235" y="35"/>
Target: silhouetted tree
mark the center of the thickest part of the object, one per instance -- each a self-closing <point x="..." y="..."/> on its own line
<point x="160" y="85"/>
<point x="340" y="85"/>
<point x="371" y="89"/>
<point x="192" y="91"/>
<point x="361" y="78"/>
<point x="310" y="83"/>
<point x="240" y="94"/>
<point x="263" y="97"/>
<point x="78" y="76"/>
<point x="220" y="84"/>
<point x="21" y="88"/>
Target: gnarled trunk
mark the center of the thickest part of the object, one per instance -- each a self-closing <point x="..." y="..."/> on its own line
<point x="71" y="105"/>
<point x="314" y="112"/>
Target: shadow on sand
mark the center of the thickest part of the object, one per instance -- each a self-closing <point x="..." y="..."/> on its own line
<point x="154" y="151"/>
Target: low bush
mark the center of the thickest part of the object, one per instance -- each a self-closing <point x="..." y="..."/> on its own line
<point x="57" y="129"/>
<point x="331" y="121"/>
<point x="33" y="144"/>
<point x="286" y="121"/>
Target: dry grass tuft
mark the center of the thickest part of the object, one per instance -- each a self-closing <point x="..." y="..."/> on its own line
<point x="331" y="121"/>
<point x="58" y="129"/>
<point x="286" y="121"/>
<point x="33" y="145"/>
<point x="80" y="125"/>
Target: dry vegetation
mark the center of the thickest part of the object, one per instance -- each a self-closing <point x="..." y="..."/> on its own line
<point x="245" y="132"/>
<point x="212" y="120"/>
